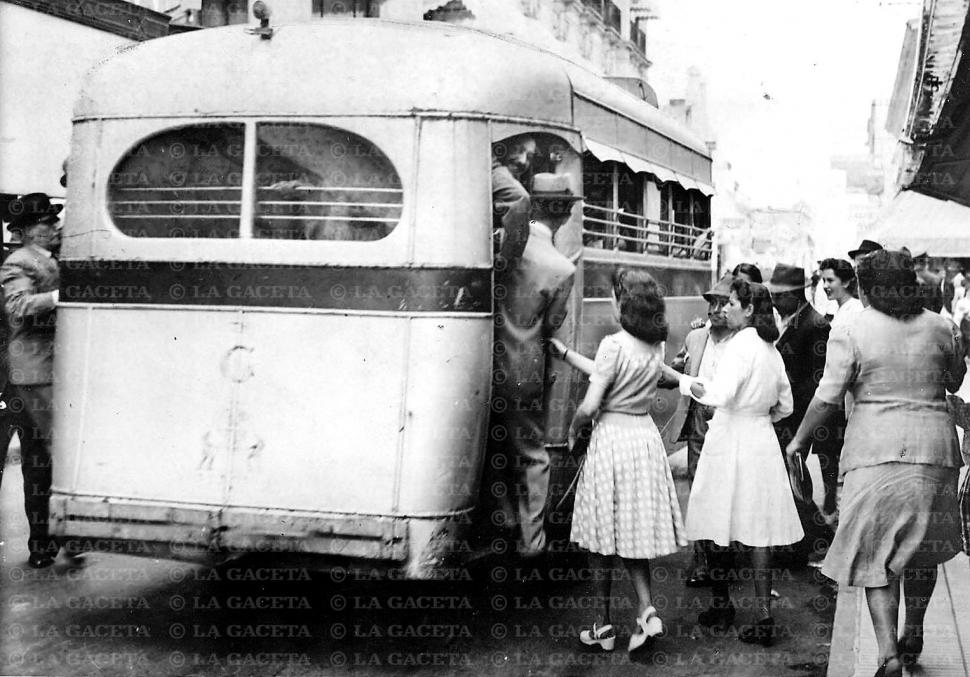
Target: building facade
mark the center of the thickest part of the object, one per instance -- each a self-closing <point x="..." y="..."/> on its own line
<point x="606" y="35"/>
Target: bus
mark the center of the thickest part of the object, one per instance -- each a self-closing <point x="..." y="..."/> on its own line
<point x="276" y="307"/>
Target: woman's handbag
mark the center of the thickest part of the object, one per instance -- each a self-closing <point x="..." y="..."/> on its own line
<point x="798" y="477"/>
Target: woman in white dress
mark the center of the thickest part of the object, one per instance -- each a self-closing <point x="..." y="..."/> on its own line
<point x="741" y="492"/>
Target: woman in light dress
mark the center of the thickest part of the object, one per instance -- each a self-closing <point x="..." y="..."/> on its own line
<point x="741" y="493"/>
<point x="900" y="461"/>
<point x="626" y="501"/>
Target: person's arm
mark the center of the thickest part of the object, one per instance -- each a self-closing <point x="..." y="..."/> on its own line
<point x="956" y="367"/>
<point x="576" y="360"/>
<point x="840" y="372"/>
<point x="20" y="299"/>
<point x="670" y="376"/>
<point x="511" y="203"/>
<point x="586" y="411"/>
<point x="558" y="308"/>
<point x="733" y="367"/>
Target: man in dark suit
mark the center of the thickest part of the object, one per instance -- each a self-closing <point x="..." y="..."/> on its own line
<point x="529" y="310"/>
<point x="699" y="357"/>
<point x="30" y="280"/>
<point x="804" y="335"/>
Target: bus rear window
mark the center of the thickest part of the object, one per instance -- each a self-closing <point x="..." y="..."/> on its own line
<point x="184" y="182"/>
<point x="320" y="183"/>
<point x="312" y="182"/>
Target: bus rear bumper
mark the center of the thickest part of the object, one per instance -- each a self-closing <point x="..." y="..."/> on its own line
<point x="415" y="546"/>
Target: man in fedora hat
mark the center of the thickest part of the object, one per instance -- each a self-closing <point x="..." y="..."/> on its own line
<point x="699" y="357"/>
<point x="30" y="281"/>
<point x="802" y="343"/>
<point x="865" y="247"/>
<point x="531" y="305"/>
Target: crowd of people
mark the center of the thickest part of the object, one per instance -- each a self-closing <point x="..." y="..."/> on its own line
<point x="861" y="381"/>
<point x="767" y="379"/>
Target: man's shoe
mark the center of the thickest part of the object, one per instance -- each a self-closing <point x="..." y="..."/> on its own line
<point x="909" y="649"/>
<point x="40" y="560"/>
<point x="717" y="616"/>
<point x="763" y="632"/>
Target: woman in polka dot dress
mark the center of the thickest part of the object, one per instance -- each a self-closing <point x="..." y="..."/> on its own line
<point x="626" y="503"/>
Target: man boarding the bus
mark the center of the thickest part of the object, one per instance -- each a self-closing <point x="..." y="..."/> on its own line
<point x="511" y="163"/>
<point x="531" y="305"/>
<point x="30" y="280"/>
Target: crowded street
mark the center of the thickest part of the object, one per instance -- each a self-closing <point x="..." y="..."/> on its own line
<point x="121" y="615"/>
<point x="554" y="338"/>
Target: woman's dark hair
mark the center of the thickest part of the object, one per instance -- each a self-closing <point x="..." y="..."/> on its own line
<point x="757" y="296"/>
<point x="889" y="282"/>
<point x="750" y="270"/>
<point x="843" y="270"/>
<point x="642" y="310"/>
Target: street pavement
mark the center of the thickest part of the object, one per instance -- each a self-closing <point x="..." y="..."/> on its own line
<point x="121" y="615"/>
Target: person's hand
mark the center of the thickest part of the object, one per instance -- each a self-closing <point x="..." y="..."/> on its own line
<point x="557" y="348"/>
<point x="793" y="459"/>
<point x="697" y="323"/>
<point x="697" y="389"/>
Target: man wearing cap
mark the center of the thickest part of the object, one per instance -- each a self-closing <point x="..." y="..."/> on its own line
<point x="530" y="306"/>
<point x="30" y="281"/>
<point x="804" y="335"/>
<point x="699" y="357"/>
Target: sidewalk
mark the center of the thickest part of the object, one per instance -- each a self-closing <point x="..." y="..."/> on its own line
<point x="947" y="643"/>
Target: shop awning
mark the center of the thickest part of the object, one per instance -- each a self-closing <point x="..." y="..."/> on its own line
<point x="605" y="153"/>
<point x="941" y="228"/>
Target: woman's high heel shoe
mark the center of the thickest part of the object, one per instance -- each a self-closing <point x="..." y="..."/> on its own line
<point x="603" y="637"/>
<point x="649" y="626"/>
<point x="891" y="667"/>
<point x="909" y="649"/>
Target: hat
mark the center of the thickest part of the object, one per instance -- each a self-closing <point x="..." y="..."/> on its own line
<point x="787" y="278"/>
<point x="30" y="209"/>
<point x="865" y="247"/>
<point x="722" y="288"/>
<point x="552" y="187"/>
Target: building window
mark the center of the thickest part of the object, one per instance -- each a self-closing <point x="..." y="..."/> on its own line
<point x="358" y="8"/>
<point x="185" y="182"/>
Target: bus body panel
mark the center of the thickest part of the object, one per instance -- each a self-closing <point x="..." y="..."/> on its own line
<point x="159" y="424"/>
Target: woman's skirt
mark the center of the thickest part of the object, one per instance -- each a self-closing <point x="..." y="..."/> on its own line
<point x="626" y="501"/>
<point x="894" y="516"/>
<point x="741" y="491"/>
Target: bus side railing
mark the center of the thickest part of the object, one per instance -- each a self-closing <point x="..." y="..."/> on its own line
<point x="616" y="229"/>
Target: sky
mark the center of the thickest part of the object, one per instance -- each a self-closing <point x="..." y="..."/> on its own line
<point x="789" y="83"/>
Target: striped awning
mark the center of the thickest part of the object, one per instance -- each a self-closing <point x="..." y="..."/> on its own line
<point x="605" y="153"/>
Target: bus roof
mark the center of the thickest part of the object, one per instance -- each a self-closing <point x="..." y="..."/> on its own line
<point x="359" y="67"/>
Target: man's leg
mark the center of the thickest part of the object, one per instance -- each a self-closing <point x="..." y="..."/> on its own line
<point x="497" y="509"/>
<point x="531" y="472"/>
<point x="34" y="404"/>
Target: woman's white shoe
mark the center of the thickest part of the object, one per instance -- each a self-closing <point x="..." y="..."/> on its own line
<point x="603" y="637"/>
<point x="649" y="626"/>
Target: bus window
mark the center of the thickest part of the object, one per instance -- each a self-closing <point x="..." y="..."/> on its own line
<point x="597" y="202"/>
<point x="184" y="182"/>
<point x="321" y="183"/>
